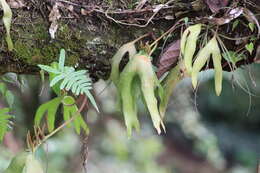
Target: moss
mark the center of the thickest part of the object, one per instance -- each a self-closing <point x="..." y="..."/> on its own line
<point x="40" y="49"/>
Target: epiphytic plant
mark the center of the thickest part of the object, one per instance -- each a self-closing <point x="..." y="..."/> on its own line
<point x="7" y="19"/>
<point x="188" y="45"/>
<point x="188" y="48"/>
<point x="137" y="78"/>
<point x="211" y="49"/>
<point x="64" y="78"/>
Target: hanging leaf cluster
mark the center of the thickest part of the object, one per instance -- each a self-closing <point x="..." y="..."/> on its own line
<point x="211" y="49"/>
<point x="137" y="79"/>
<point x="7" y="19"/>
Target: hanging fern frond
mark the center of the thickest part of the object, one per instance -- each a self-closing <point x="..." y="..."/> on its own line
<point x="7" y="19"/>
<point x="51" y="108"/>
<point x="4" y="122"/>
<point x="67" y="78"/>
<point x="70" y="110"/>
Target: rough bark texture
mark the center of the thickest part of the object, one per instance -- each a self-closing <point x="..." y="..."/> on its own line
<point x="91" y="31"/>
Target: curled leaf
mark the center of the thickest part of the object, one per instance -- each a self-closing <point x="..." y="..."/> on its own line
<point x="188" y="45"/>
<point x="139" y="71"/>
<point x="7" y="18"/>
<point x="126" y="48"/>
<point x="211" y="48"/>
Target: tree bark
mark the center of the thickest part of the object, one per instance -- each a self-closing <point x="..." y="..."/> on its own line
<point x="91" y="31"/>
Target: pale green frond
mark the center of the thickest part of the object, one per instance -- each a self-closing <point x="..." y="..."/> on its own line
<point x="4" y="122"/>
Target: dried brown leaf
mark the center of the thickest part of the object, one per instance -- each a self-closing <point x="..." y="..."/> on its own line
<point x="54" y="16"/>
<point x="16" y="3"/>
<point x="168" y="58"/>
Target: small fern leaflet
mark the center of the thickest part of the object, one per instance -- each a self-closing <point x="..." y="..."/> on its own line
<point x="4" y="122"/>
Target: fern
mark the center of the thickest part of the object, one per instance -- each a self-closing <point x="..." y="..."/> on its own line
<point x="67" y="78"/>
<point x="4" y="122"/>
<point x="70" y="109"/>
<point x="7" y="19"/>
<point x="51" y="108"/>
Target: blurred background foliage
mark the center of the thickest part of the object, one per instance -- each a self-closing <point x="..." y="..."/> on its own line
<point x="205" y="133"/>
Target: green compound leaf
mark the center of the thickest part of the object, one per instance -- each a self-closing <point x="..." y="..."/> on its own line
<point x="64" y="77"/>
<point x="4" y="122"/>
<point x="49" y="69"/>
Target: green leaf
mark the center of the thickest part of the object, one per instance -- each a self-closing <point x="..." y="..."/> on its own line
<point x="66" y="77"/>
<point x="2" y="88"/>
<point x="250" y="48"/>
<point x="186" y="21"/>
<point x="4" y="122"/>
<point x="7" y="19"/>
<point x="17" y="163"/>
<point x="51" y="108"/>
<point x="62" y="60"/>
<point x="233" y="57"/>
<point x="234" y="25"/>
<point x="56" y="79"/>
<point x="91" y="99"/>
<point x="68" y="100"/>
<point x="9" y="98"/>
<point x="71" y="110"/>
<point x="251" y="26"/>
<point x="66" y="113"/>
<point x="56" y="87"/>
<point x="39" y="113"/>
<point x="4" y="110"/>
<point x="49" y="69"/>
